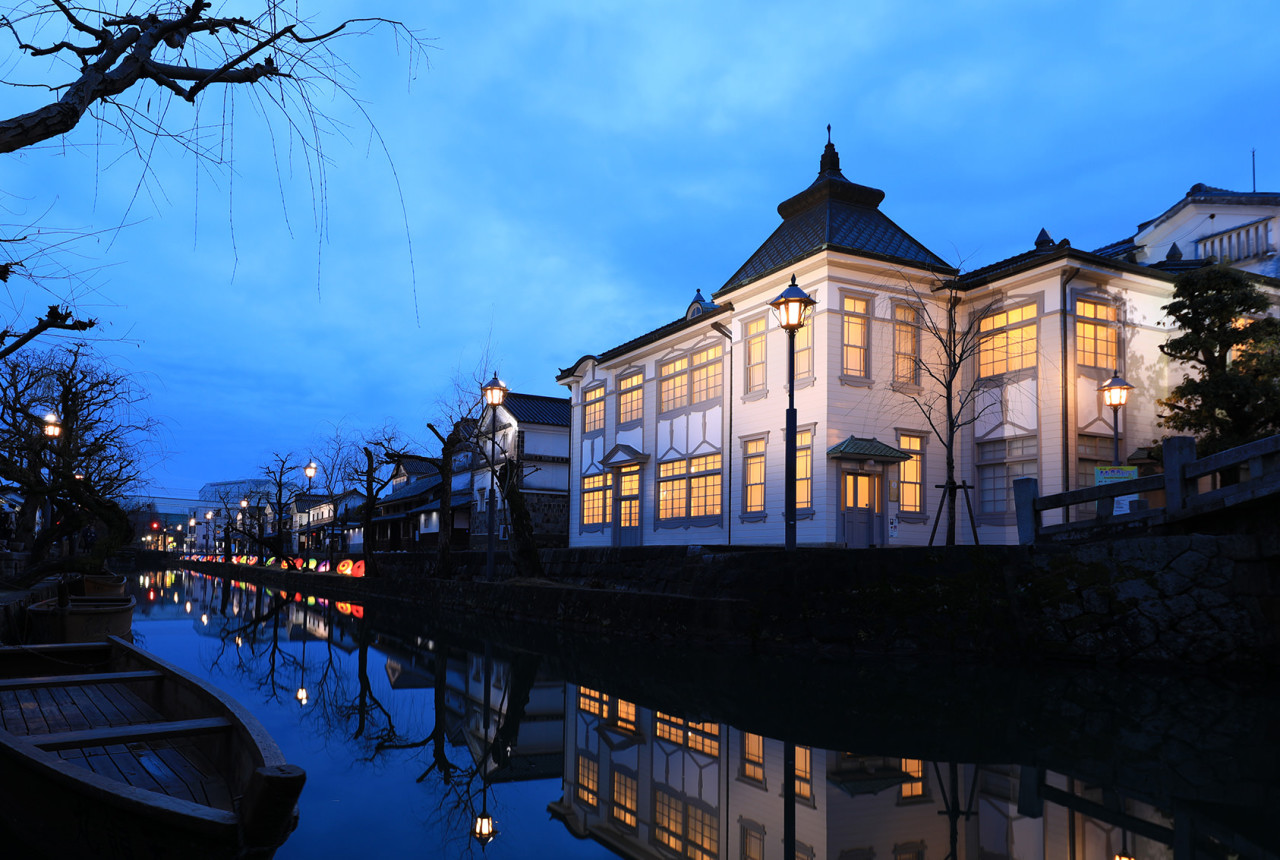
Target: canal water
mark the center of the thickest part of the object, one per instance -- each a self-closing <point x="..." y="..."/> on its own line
<point x="411" y="729"/>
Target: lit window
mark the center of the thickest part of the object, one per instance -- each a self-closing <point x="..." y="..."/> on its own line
<point x="593" y="409"/>
<point x="914" y="768"/>
<point x="804" y="347"/>
<point x="673" y="386"/>
<point x="804" y="773"/>
<point x="700" y="375"/>
<point x="753" y="757"/>
<point x="804" y="469"/>
<point x="588" y="781"/>
<point x="689" y="488"/>
<point x="1096" y="334"/>
<point x="755" y="335"/>
<point x="708" y="372"/>
<point x="1008" y="341"/>
<point x="703" y="834"/>
<point x="597" y="499"/>
<point x="631" y="398"/>
<point x="998" y="464"/>
<point x="906" y="346"/>
<point x="856" y="327"/>
<point x="753" y="480"/>
<point x="752" y="844"/>
<point x="624" y="798"/>
<point x="911" y="475"/>
<point x="629" y="497"/>
<point x="625" y="715"/>
<point x="668" y="820"/>
<point x="702" y="737"/>
<point x="593" y="702"/>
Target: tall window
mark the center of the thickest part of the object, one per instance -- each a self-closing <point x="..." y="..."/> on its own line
<point x="708" y="374"/>
<point x="673" y="387"/>
<point x="668" y="820"/>
<point x="1008" y="340"/>
<point x="804" y="469"/>
<point x="804" y="347"/>
<point x="597" y="499"/>
<point x="588" y="781"/>
<point x="624" y="798"/>
<point x="998" y="464"/>
<point x="1096" y="334"/>
<point x="629" y="497"/>
<point x="911" y="475"/>
<point x="689" y="488"/>
<point x="752" y="757"/>
<point x="752" y="843"/>
<point x="703" y="834"/>
<point x="755" y="335"/>
<point x="703" y="737"/>
<point x="631" y="397"/>
<point x="856" y="329"/>
<point x="753" y="476"/>
<point x="906" y="346"/>
<point x="593" y="702"/>
<point x="593" y="409"/>
<point x="913" y="787"/>
<point x="804" y="773"/>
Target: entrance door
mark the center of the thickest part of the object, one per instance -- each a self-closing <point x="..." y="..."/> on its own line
<point x="861" y="508"/>
<point x="628" y="518"/>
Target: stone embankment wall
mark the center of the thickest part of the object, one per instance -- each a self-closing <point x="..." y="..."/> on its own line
<point x="1183" y="599"/>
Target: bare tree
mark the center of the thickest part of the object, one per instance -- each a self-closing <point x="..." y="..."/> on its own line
<point x="951" y="403"/>
<point x="337" y="473"/>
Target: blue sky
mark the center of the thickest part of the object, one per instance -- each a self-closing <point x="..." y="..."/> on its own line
<point x="570" y="173"/>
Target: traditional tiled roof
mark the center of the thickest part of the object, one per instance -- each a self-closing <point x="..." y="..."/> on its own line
<point x="538" y="409"/>
<point x="834" y="213"/>
<point x="645" y="339"/>
<point x="854" y="448"/>
<point x="417" y="466"/>
<point x="410" y="489"/>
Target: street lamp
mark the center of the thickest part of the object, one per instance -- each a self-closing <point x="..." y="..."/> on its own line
<point x="52" y="425"/>
<point x="310" y="471"/>
<point x="482" y="830"/>
<point x="494" y="393"/>
<point x="1115" y="393"/>
<point x="791" y="307"/>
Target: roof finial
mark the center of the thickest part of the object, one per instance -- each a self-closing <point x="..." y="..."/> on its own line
<point x="828" y="132"/>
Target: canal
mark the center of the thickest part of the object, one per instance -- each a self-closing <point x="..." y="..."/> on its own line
<point x="411" y="728"/>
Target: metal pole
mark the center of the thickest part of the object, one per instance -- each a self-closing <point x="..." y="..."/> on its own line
<point x="1115" y="435"/>
<point x="789" y="470"/>
<point x="493" y="514"/>
<point x="788" y="800"/>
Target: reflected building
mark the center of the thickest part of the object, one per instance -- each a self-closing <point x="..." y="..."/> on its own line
<point x="646" y="784"/>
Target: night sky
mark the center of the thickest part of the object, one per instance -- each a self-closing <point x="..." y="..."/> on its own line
<point x="559" y="177"/>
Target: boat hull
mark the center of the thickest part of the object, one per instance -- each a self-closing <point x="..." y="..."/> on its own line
<point x="85" y="619"/>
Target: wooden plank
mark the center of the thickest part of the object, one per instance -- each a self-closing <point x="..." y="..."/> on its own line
<point x="90" y="706"/>
<point x="194" y="769"/>
<point x="134" y="709"/>
<point x="31" y="714"/>
<point x="134" y="773"/>
<point x="76" y="719"/>
<point x="51" y="712"/>
<point x="11" y="713"/>
<point x="128" y="734"/>
<point x="80" y="679"/>
<point x="174" y="783"/>
<point x="112" y="715"/>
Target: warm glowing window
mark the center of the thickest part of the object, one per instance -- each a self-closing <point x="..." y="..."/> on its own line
<point x="804" y="469"/>
<point x="630" y="398"/>
<point x="1096" y="334"/>
<point x="624" y="798"/>
<point x="708" y="371"/>
<point x="625" y="715"/>
<point x="629" y="497"/>
<point x="668" y="820"/>
<point x="804" y="348"/>
<point x="593" y="702"/>
<point x="753" y="757"/>
<point x="703" y="737"/>
<point x="914" y="787"/>
<point x="673" y="387"/>
<point x="753" y="476"/>
<point x="689" y="488"/>
<point x="911" y="475"/>
<point x="588" y="781"/>
<point x="804" y="773"/>
<point x="703" y="834"/>
<point x="906" y="346"/>
<point x="755" y="335"/>
<point x="752" y="844"/>
<point x="597" y="499"/>
<point x="1008" y="340"/>
<point x="593" y="409"/>
<point x="669" y="728"/>
<point x="856" y="328"/>
<point x="999" y="463"/>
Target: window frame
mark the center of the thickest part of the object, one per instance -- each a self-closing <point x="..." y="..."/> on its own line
<point x="1020" y="460"/>
<point x="1111" y="326"/>
<point x="918" y="457"/>
<point x="593" y="400"/>
<point x="583" y="794"/>
<point x="630" y="414"/>
<point x="683" y="478"/>
<point x="848" y="374"/>
<point x="679" y="382"/>
<point x="750" y="459"/>
<point x="615" y="805"/>
<point x="755" y="341"/>
<point x="605" y="490"/>
<point x="749" y="763"/>
<point x="804" y="453"/>
<point x="1000" y="330"/>
<point x="911" y="380"/>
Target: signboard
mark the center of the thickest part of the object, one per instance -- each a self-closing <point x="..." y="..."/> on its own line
<point x="1114" y="475"/>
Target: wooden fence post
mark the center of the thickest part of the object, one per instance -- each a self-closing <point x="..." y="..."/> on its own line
<point x="1178" y="452"/>
<point x="1025" y="493"/>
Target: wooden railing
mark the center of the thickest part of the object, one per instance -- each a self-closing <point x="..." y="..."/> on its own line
<point x="1189" y="490"/>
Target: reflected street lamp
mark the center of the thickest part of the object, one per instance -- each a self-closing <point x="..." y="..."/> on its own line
<point x="791" y="307"/>
<point x="494" y="393"/>
<point x="1115" y="393"/>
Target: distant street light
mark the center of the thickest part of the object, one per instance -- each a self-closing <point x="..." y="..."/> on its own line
<point x="1115" y="393"/>
<point x="791" y="307"/>
<point x="494" y="393"/>
<point x="52" y="425"/>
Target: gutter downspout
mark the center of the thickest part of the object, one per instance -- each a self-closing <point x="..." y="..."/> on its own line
<point x="728" y="447"/>
<point x="1066" y="417"/>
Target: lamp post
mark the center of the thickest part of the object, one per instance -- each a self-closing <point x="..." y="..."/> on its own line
<point x="208" y="520"/>
<point x="494" y="393"/>
<point x="310" y="471"/>
<point x="791" y="307"/>
<point x="1115" y="393"/>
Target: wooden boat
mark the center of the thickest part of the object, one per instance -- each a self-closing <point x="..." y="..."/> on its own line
<point x="84" y="619"/>
<point x="102" y="584"/>
<point x="112" y="753"/>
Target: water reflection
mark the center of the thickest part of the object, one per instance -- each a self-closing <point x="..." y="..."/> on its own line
<point x="655" y="753"/>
